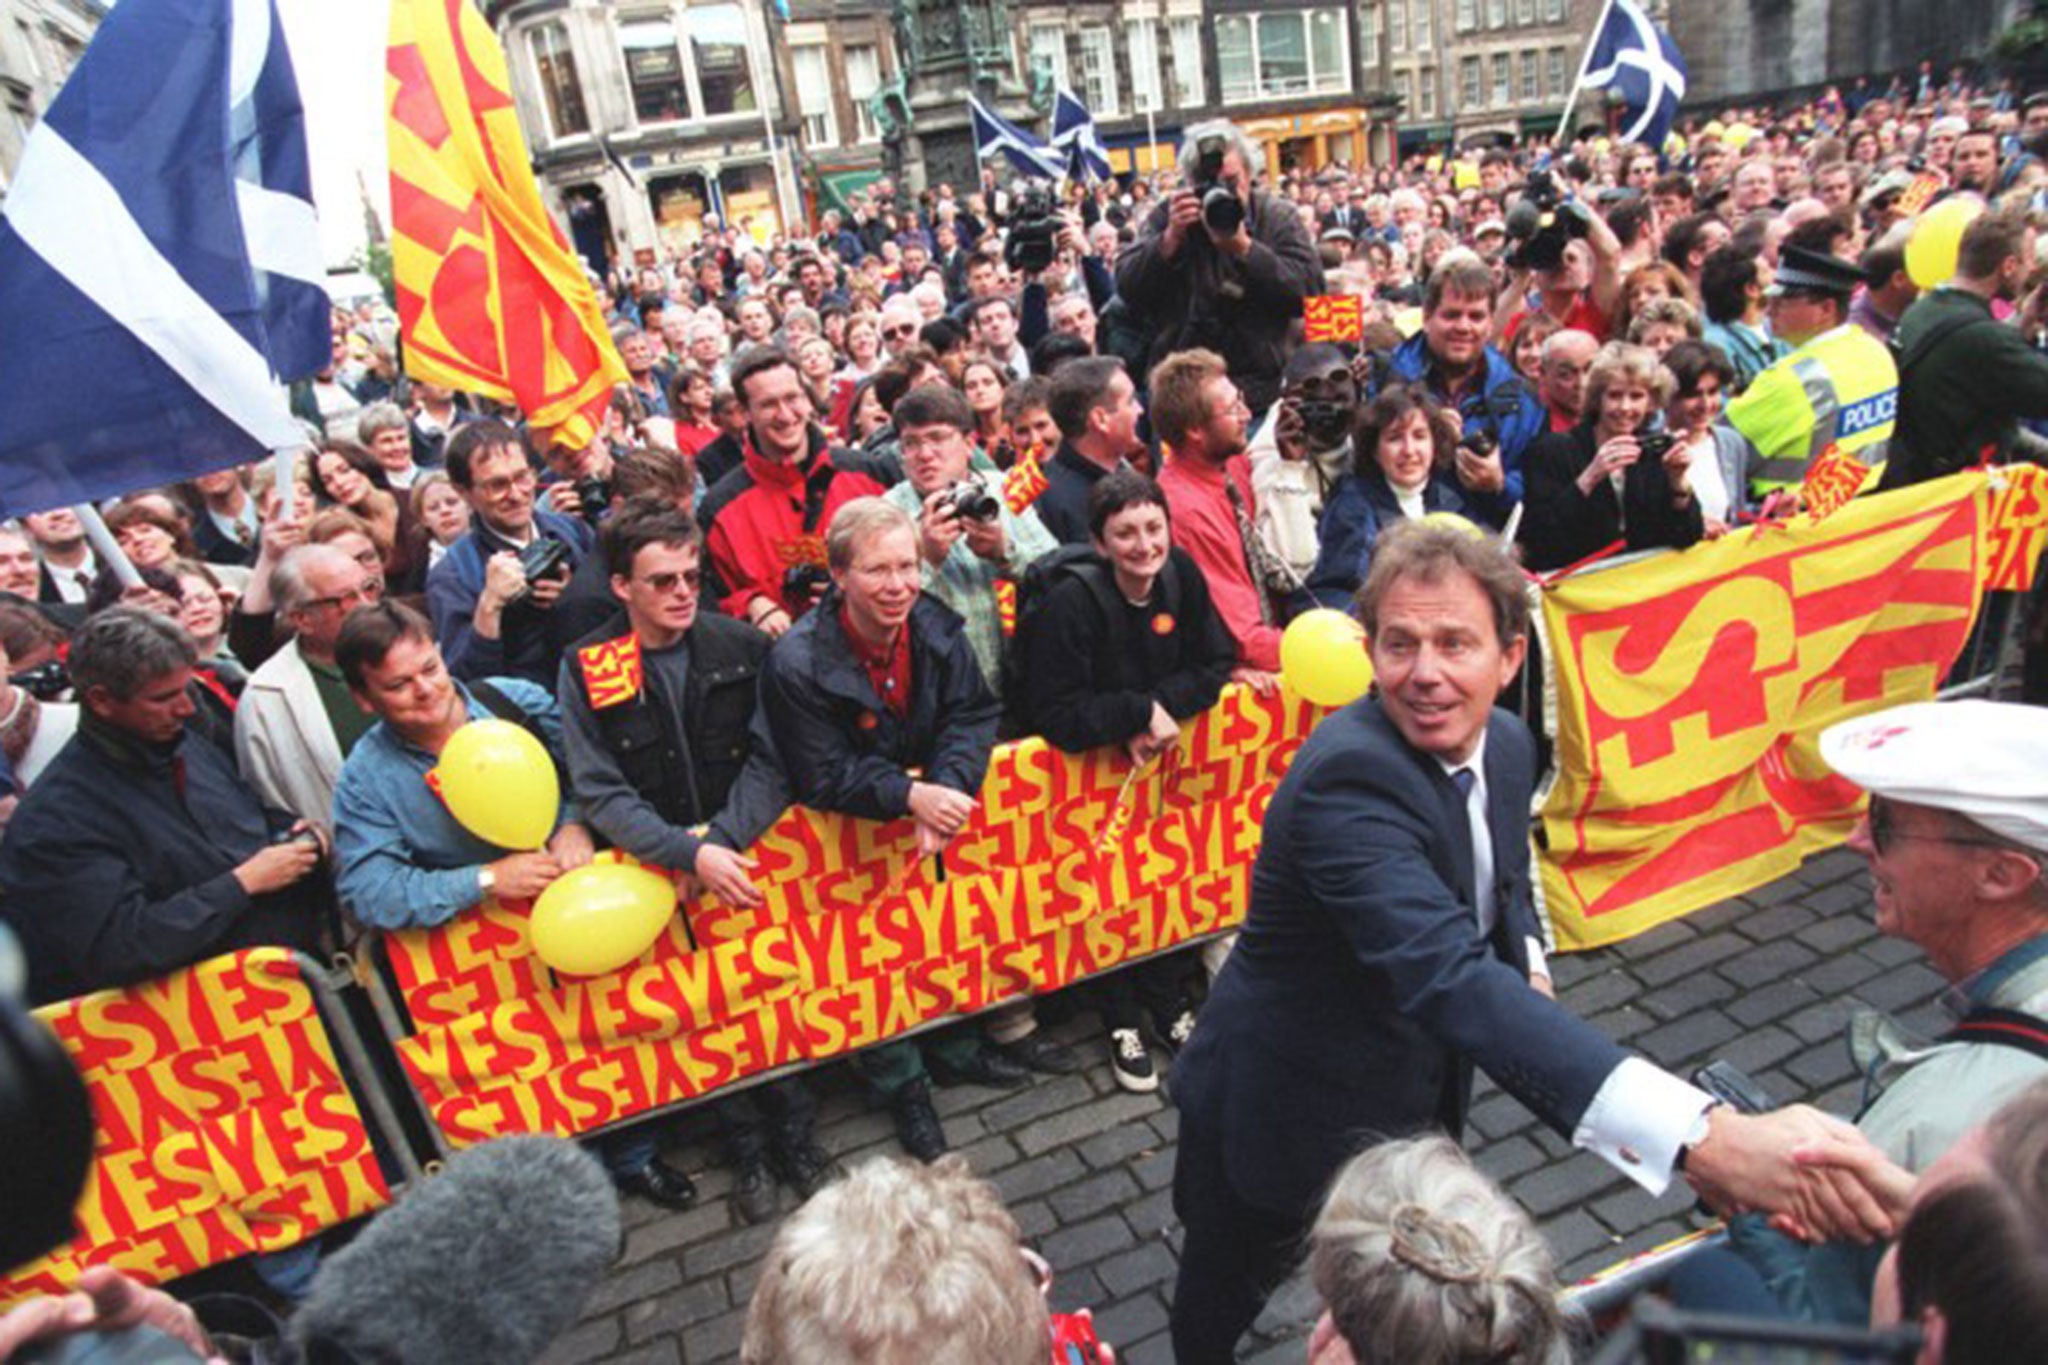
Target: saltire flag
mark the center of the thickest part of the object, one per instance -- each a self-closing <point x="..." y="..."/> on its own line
<point x="995" y="135"/>
<point x="150" y="296"/>
<point x="1632" y="55"/>
<point x="1074" y="135"/>
<point x="491" y="299"/>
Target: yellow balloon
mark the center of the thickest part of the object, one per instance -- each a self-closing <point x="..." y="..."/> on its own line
<point x="1323" y="659"/>
<point x="500" y="784"/>
<point x="1938" y="238"/>
<point x="601" y="917"/>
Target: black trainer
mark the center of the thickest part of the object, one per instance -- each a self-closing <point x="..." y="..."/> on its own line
<point x="1132" y="1062"/>
<point x="917" y="1123"/>
<point x="802" y="1165"/>
<point x="1040" y="1053"/>
<point x="659" y="1183"/>
<point x="753" y="1193"/>
<point x="986" y="1067"/>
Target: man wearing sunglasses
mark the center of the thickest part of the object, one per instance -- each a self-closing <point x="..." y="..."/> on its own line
<point x="1956" y="837"/>
<point x="656" y="709"/>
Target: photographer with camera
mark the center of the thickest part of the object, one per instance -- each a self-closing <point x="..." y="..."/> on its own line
<point x="490" y="594"/>
<point x="1571" y="257"/>
<point x="1610" y="479"/>
<point x="1222" y="266"/>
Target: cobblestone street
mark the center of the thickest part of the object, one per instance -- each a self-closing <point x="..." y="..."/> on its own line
<point x="1766" y="982"/>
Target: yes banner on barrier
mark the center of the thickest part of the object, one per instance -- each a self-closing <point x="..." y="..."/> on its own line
<point x="1690" y="689"/>
<point x="223" y="1124"/>
<point x="858" y="942"/>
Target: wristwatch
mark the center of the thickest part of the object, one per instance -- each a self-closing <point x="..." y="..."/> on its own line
<point x="486" y="881"/>
<point x="1695" y="1135"/>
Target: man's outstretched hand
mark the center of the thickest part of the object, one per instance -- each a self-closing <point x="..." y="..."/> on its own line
<point x="1745" y="1164"/>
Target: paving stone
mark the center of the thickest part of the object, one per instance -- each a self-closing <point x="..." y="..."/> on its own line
<point x="1766" y="962"/>
<point x="626" y="1286"/>
<point x="661" y="1352"/>
<point x="1139" y="1316"/>
<point x="676" y="1230"/>
<point x="674" y="1310"/>
<point x="1563" y="1184"/>
<point x="729" y="1249"/>
<point x="1596" y="993"/>
<point x="1153" y="1350"/>
<point x="1509" y="1158"/>
<point x="1692" y="957"/>
<point x="1036" y="1101"/>
<point x="1901" y="987"/>
<point x="1150" y="1265"/>
<point x="1832" y="935"/>
<point x="1117" y="1146"/>
<point x="1687" y="995"/>
<point x="1819" y="1067"/>
<point x="1151" y="1215"/>
<point x="1104" y="1191"/>
<point x="1155" y="1170"/>
<point x="1768" y="924"/>
<point x="1074" y="1290"/>
<point x="1063" y="1129"/>
<point x="1034" y="1220"/>
<point x="1029" y="1179"/>
<point x="993" y="1153"/>
<point x="1575" y="1234"/>
<point x="1690" y="1039"/>
<point x="1767" y="1003"/>
<point x="583" y="1343"/>
<point x="1840" y="975"/>
<point x="1086" y="1243"/>
<point x="1758" y="1048"/>
<point x="717" y="1339"/>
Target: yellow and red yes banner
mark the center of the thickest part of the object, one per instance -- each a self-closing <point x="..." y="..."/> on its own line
<point x="1333" y="317"/>
<point x="490" y="297"/>
<point x="858" y="941"/>
<point x="1690" y="689"/>
<point x="223" y="1125"/>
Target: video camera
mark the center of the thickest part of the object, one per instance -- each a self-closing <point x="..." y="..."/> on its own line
<point x="1033" y="243"/>
<point x="1541" y="223"/>
<point x="1222" y="211"/>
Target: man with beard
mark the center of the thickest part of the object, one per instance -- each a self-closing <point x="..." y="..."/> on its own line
<point x="1202" y="419"/>
<point x="1966" y="379"/>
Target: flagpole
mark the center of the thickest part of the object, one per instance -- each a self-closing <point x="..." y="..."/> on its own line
<point x="1585" y="60"/>
<point x="104" y="546"/>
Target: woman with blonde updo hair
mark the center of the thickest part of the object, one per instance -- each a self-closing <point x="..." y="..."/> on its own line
<point x="1419" y="1258"/>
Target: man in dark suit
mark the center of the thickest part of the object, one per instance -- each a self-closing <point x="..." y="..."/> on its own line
<point x="1391" y="945"/>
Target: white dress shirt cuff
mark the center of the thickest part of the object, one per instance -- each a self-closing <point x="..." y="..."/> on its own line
<point x="1539" y="965"/>
<point x="1640" y="1117"/>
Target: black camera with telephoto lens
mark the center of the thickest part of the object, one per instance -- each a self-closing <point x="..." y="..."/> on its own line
<point x="1033" y="243"/>
<point x="970" y="500"/>
<point x="1541" y="223"/>
<point x="1222" y="210"/>
<point x="45" y="682"/>
<point x="1323" y="422"/>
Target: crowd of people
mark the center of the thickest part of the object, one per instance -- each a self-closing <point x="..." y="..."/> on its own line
<point x="945" y="473"/>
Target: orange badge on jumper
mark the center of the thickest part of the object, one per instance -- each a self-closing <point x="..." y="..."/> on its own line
<point x="611" y="671"/>
<point x="868" y="720"/>
<point x="1162" y="624"/>
<point x="1333" y="317"/>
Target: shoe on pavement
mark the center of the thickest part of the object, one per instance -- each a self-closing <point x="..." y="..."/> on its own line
<point x="754" y="1194"/>
<point x="986" y="1067"/>
<point x="1175" y="1032"/>
<point x="659" y="1183"/>
<point x="917" y="1123"/>
<point x="1040" y="1053"/>
<point x="1131" y="1062"/>
<point x="803" y="1165"/>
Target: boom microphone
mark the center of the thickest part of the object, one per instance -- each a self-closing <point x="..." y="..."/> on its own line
<point x="484" y="1264"/>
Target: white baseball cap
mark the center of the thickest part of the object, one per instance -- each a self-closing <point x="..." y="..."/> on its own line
<point x="1986" y="760"/>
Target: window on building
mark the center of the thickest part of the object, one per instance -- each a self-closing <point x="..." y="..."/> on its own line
<point x="1532" y="77"/>
<point x="1554" y="11"/>
<point x="863" y="77"/>
<point x="814" y="95"/>
<point x="1427" y="82"/>
<point x="1525" y="11"/>
<point x="1496" y="13"/>
<point x="1283" y="54"/>
<point x="1557" y="76"/>
<point x="1329" y="51"/>
<point x="1425" y="25"/>
<point x="1397" y="24"/>
<point x="1235" y="68"/>
<point x="1098" y="70"/>
<point x="654" y="70"/>
<point x="1469" y="92"/>
<point x="1188" y="85"/>
<point x="555" y="67"/>
<point x="718" y="46"/>
<point x="1049" y="50"/>
<point x="1503" y="80"/>
<point x="1467" y="15"/>
<point x="1142" y="38"/>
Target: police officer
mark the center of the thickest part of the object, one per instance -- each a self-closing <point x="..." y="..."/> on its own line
<point x="1838" y="387"/>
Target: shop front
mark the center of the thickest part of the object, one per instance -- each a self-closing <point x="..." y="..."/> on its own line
<point x="1302" y="143"/>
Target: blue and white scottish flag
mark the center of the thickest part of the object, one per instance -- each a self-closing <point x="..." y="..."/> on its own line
<point x="994" y="135"/>
<point x="1632" y="55"/>
<point x="1074" y="135"/>
<point x="159" y="260"/>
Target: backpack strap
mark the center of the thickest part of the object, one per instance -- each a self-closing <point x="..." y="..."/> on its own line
<point x="504" y="708"/>
<point x="2006" y="1028"/>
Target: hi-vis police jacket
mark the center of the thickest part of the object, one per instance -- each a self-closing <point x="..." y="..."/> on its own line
<point x="1841" y="388"/>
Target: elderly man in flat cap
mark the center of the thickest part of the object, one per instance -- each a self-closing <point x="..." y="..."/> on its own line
<point x="1957" y="841"/>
